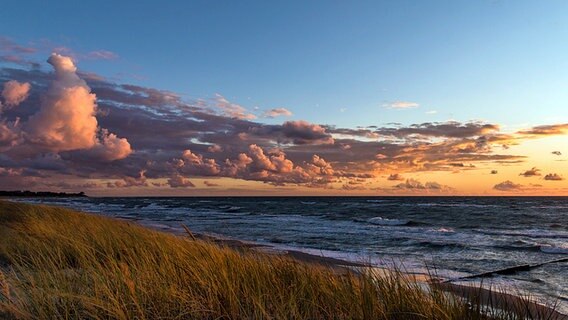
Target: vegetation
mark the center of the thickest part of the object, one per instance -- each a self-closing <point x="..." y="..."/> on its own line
<point x="60" y="264"/>
<point x="40" y="194"/>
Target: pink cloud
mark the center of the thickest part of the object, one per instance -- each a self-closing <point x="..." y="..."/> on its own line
<point x="401" y="105"/>
<point x="215" y="148"/>
<point x="14" y="93"/>
<point x="110" y="147"/>
<point x="232" y="110"/>
<point x="66" y="120"/>
<point x="277" y="112"/>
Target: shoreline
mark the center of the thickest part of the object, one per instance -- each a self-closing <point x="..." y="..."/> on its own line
<point x="470" y="292"/>
<point x="344" y="265"/>
<point x="498" y="298"/>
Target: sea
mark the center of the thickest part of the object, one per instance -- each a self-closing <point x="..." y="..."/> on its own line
<point x="449" y="237"/>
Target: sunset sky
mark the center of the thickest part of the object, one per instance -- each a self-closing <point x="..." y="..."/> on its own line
<point x="284" y="98"/>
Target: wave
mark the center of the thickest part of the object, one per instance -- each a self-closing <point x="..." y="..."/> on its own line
<point x="562" y="249"/>
<point x="531" y="233"/>
<point x="388" y="222"/>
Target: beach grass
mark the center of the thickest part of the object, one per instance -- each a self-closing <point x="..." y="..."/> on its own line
<point x="57" y="263"/>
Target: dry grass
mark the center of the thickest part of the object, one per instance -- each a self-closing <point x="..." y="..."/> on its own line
<point x="61" y="264"/>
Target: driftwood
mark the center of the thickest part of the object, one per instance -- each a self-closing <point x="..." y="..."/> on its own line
<point x="509" y="270"/>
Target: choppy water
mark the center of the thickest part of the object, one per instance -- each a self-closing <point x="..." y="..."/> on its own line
<point x="456" y="235"/>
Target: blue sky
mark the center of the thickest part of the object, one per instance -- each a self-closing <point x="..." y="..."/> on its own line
<point x="500" y="61"/>
<point x="465" y="97"/>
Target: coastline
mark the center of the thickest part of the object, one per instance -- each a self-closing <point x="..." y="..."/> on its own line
<point x="341" y="265"/>
<point x="499" y="299"/>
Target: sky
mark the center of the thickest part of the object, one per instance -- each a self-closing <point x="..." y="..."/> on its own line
<point x="284" y="98"/>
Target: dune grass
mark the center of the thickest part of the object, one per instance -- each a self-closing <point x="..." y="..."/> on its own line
<point x="57" y="263"/>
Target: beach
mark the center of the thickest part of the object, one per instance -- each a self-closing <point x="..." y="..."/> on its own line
<point x="453" y="237"/>
<point x="346" y="267"/>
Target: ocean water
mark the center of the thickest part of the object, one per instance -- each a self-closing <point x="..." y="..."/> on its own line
<point x="449" y="236"/>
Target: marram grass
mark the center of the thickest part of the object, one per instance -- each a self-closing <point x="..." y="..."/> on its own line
<point x="57" y="263"/>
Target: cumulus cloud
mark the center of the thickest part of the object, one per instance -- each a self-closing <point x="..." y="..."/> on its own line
<point x="533" y="172"/>
<point x="508" y="186"/>
<point x="14" y="93"/>
<point x="196" y="164"/>
<point x="553" y="177"/>
<point x="110" y="147"/>
<point x="277" y="112"/>
<point x="66" y="119"/>
<point x="401" y="105"/>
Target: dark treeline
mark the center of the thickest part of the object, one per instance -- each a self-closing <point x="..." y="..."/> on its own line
<point x="41" y="194"/>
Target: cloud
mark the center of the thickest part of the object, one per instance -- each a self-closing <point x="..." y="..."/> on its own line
<point x="89" y="123"/>
<point x="127" y="182"/>
<point x="450" y="129"/>
<point x="8" y="58"/>
<point x="14" y="93"/>
<point x="210" y="184"/>
<point x="66" y="120"/>
<point x="553" y="177"/>
<point x="10" y="135"/>
<point x="7" y="45"/>
<point x="102" y="55"/>
<point x="558" y="153"/>
<point x="533" y="172"/>
<point x="277" y="112"/>
<point x="413" y="184"/>
<point x="178" y="181"/>
<point x="508" y="186"/>
<point x="110" y="147"/>
<point x="215" y="148"/>
<point x="232" y="110"/>
<point x="431" y="112"/>
<point x="395" y="177"/>
<point x="401" y="105"/>
<point x="303" y="132"/>
<point x="545" y="130"/>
